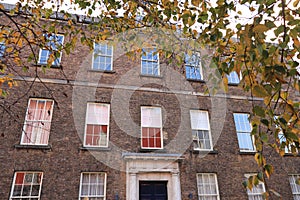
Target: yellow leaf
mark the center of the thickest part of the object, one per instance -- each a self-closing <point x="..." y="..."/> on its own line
<point x="260" y="28"/>
<point x="20" y="43"/>
<point x="195" y="2"/>
<point x="9" y="49"/>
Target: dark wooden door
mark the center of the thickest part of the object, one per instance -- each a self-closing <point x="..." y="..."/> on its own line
<point x="153" y="190"/>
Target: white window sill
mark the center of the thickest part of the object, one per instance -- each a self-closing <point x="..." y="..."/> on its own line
<point x="32" y="146"/>
<point x="150" y="76"/>
<point x="102" y="71"/>
<point x="157" y="150"/>
<point x="233" y="84"/>
<point x="195" y="80"/>
<point x="205" y="151"/>
<point x="90" y="148"/>
<point x="52" y="66"/>
<point x="249" y="152"/>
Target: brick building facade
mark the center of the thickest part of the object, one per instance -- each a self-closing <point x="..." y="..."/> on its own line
<point x="110" y="127"/>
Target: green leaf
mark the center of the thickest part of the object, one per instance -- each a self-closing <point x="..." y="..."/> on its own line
<point x="291" y="136"/>
<point x="260" y="176"/>
<point x="269" y="169"/>
<point x="270" y="24"/>
<point x="264" y="137"/>
<point x="279" y="30"/>
<point x="265" y="122"/>
<point x="259" y="111"/>
<point x="260" y="91"/>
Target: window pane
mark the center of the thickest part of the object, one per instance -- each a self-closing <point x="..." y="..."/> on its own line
<point x="97" y="121"/>
<point x="243" y="129"/>
<point x="257" y="191"/>
<point x="193" y="67"/>
<point x="295" y="187"/>
<point x="37" y="124"/>
<point x="26" y="184"/>
<point x="102" y="57"/>
<point x="92" y="185"/>
<point x="151" y="122"/>
<point x="97" y="113"/>
<point x="55" y="42"/>
<point x="233" y="78"/>
<point x="2" y="49"/>
<point x="207" y="186"/>
<point x="150" y="62"/>
<point x="151" y="117"/>
<point x="200" y="129"/>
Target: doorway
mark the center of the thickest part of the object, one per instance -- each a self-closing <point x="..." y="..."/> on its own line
<point x="153" y="190"/>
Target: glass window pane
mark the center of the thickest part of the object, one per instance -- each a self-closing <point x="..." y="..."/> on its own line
<point x="243" y="129"/>
<point x="207" y="186"/>
<point x="92" y="185"/>
<point x="26" y="184"/>
<point x="150" y="62"/>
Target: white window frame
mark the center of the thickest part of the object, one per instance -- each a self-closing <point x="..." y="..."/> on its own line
<point x="92" y="196"/>
<point x="14" y="184"/>
<point x="100" y="54"/>
<point x="196" y="138"/>
<point x="26" y="121"/>
<point x="193" y="65"/>
<point x="294" y="186"/>
<point x="201" y="196"/>
<point x="251" y="193"/>
<point x="160" y="127"/>
<point x="49" y="52"/>
<point x="147" y="51"/>
<point x="107" y="124"/>
<point x="244" y="132"/>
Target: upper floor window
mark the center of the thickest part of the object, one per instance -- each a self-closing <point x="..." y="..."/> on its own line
<point x="103" y="57"/>
<point x="207" y="186"/>
<point x="151" y="122"/>
<point x="193" y="68"/>
<point x="295" y="185"/>
<point x="201" y="130"/>
<point x="36" y="128"/>
<point x="150" y="62"/>
<point x="97" y="125"/>
<point x="243" y="130"/>
<point x="27" y="185"/>
<point x="282" y="139"/>
<point x="92" y="186"/>
<point x="233" y="78"/>
<point x="283" y="142"/>
<point x="257" y="191"/>
<point x="2" y="49"/>
<point x="54" y="43"/>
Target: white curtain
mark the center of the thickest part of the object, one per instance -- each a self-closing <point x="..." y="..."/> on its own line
<point x="199" y="120"/>
<point x="151" y="117"/>
<point x="97" y="113"/>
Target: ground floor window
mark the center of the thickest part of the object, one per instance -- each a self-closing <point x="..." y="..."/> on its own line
<point x="207" y="186"/>
<point x="27" y="185"/>
<point x="92" y="186"/>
